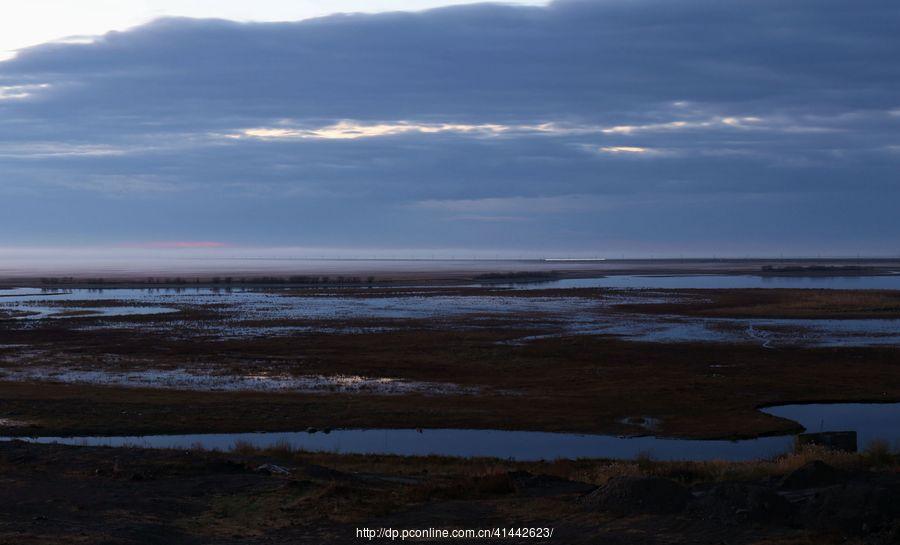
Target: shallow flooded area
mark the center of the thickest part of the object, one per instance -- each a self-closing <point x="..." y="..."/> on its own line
<point x="241" y="311"/>
<point x="215" y="381"/>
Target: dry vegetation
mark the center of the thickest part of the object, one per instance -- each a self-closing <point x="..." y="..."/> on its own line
<point x="780" y="303"/>
<point x="579" y="383"/>
<point x="250" y="496"/>
<point x="878" y="456"/>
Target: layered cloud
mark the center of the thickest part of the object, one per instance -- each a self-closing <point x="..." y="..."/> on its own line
<point x="579" y="124"/>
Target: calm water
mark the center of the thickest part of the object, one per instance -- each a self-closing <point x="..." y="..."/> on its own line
<point x="870" y="421"/>
<point x="518" y="445"/>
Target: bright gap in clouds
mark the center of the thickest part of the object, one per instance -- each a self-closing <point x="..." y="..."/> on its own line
<point x="28" y="23"/>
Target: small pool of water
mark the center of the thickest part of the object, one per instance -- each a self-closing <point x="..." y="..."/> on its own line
<point x="768" y="332"/>
<point x="870" y="421"/>
<point x="198" y="380"/>
<point x="17" y="292"/>
<point x="39" y="312"/>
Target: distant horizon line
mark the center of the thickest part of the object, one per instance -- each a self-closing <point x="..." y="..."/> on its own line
<point x="210" y="252"/>
<point x="546" y="259"/>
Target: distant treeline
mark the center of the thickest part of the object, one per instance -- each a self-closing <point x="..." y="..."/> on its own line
<point x="817" y="269"/>
<point x="520" y="276"/>
<point x="217" y="280"/>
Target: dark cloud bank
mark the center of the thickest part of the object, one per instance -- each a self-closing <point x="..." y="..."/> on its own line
<point x="610" y="126"/>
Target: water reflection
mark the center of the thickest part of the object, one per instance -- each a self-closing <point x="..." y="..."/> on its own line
<point x="515" y="445"/>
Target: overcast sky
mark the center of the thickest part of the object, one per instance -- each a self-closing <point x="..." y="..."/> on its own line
<point x="606" y="126"/>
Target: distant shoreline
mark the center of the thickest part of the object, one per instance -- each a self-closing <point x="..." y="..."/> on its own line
<point x="362" y="272"/>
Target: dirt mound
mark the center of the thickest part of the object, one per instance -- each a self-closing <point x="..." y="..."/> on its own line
<point x="633" y="495"/>
<point x="854" y="508"/>
<point x="528" y="484"/>
<point x="321" y="473"/>
<point x="814" y="474"/>
<point x="733" y="503"/>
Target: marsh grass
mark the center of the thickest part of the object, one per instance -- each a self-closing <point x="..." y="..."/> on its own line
<point x="450" y="478"/>
<point x="877" y="456"/>
<point x="787" y="303"/>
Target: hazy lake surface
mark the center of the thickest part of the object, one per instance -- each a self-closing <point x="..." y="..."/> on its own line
<point x="870" y="421"/>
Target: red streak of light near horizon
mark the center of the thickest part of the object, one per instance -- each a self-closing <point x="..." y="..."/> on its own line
<point x="177" y="244"/>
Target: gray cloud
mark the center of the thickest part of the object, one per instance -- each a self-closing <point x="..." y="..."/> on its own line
<point x="584" y="123"/>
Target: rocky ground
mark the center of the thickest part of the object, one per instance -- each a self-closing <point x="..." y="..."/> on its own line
<point x="86" y="495"/>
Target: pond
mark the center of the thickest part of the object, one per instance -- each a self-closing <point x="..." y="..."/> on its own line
<point x="870" y="421"/>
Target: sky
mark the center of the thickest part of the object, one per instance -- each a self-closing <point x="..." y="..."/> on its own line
<point x="588" y="127"/>
<point x="35" y="22"/>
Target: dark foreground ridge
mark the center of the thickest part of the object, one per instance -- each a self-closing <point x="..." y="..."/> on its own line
<point x="101" y="495"/>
